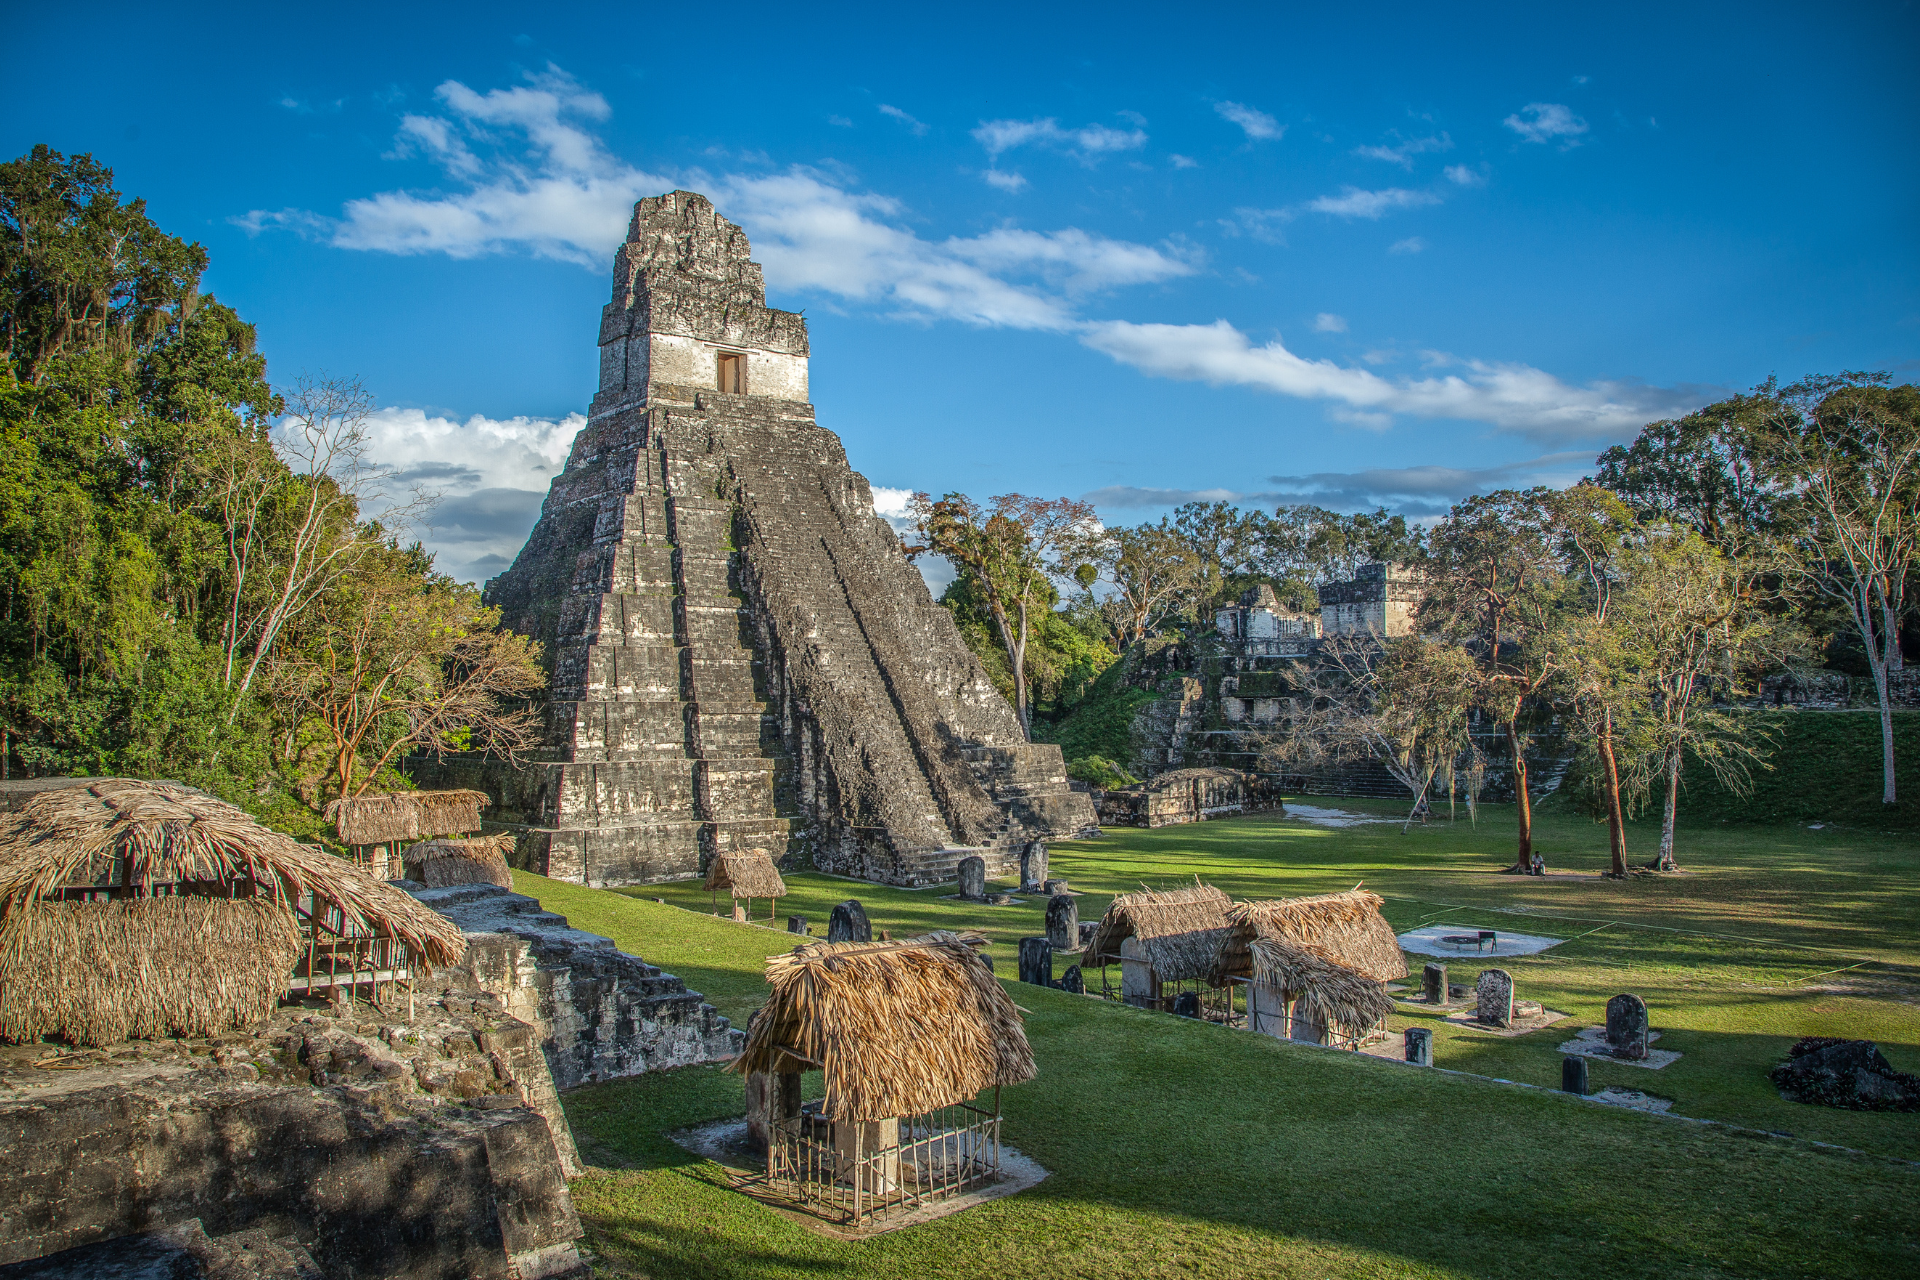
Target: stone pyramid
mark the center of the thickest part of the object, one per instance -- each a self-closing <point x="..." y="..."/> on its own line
<point x="742" y="655"/>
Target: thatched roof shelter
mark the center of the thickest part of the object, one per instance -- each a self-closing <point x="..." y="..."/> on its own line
<point x="197" y="930"/>
<point x="1181" y="930"/>
<point x="446" y="861"/>
<point x="383" y="818"/>
<point x="1329" y="994"/>
<point x="901" y="1028"/>
<point x="746" y="874"/>
<point x="1346" y="927"/>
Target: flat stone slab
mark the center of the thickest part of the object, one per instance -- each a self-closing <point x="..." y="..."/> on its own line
<point x="725" y="1143"/>
<point x="1591" y="1042"/>
<point x="1632" y="1099"/>
<point x="1332" y="817"/>
<point x="1428" y="941"/>
<point x="1522" y="1025"/>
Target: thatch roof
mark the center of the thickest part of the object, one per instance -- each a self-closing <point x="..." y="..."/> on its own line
<point x="1347" y="927"/>
<point x="1331" y="994"/>
<point x="121" y="832"/>
<point x="444" y="862"/>
<point x="406" y="815"/>
<point x="102" y="972"/>
<point x="748" y="874"/>
<point x="901" y="1028"/>
<point x="1181" y="930"/>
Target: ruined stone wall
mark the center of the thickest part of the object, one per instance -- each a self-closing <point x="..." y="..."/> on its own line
<point x="742" y="656"/>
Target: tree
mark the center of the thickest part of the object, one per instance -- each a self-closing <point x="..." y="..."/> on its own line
<point x="1225" y="542"/>
<point x="393" y="657"/>
<point x="1849" y="446"/>
<point x="1153" y="572"/>
<point x="1493" y="569"/>
<point x="1012" y="551"/>
<point x="1703" y="617"/>
<point x="1403" y="702"/>
<point x="80" y="271"/>
<point x="1303" y="546"/>
<point x="1701" y="472"/>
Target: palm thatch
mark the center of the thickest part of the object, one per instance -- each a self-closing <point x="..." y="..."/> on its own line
<point x="1332" y="995"/>
<point x="383" y="818"/>
<point x="900" y="1028"/>
<point x="1347" y="927"/>
<point x="748" y="874"/>
<point x="127" y="836"/>
<point x="1181" y="930"/>
<point x="102" y="972"/>
<point x="445" y="862"/>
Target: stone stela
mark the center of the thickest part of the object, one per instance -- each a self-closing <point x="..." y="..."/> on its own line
<point x="1493" y="995"/>
<point x="742" y="655"/>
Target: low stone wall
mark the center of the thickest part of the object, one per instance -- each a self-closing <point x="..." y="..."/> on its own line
<point x="601" y="1013"/>
<point x="388" y="1146"/>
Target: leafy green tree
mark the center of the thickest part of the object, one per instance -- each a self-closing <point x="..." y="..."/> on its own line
<point x="1701" y="472"/>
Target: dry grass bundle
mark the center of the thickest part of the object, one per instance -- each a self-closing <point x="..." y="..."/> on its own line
<point x="1181" y="930"/>
<point x="901" y="1028"/>
<point x="445" y="862"/>
<point x="1343" y="1000"/>
<point x="1345" y="926"/>
<point x="100" y="972"/>
<point x="122" y="833"/>
<point x="384" y="818"/>
<point x="748" y="874"/>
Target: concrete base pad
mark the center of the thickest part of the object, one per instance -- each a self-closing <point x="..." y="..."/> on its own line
<point x="1591" y="1042"/>
<point x="1426" y="941"/>
<point x="725" y="1143"/>
<point x="1466" y="1020"/>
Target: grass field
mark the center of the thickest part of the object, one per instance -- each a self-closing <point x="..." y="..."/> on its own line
<point x="1179" y="1148"/>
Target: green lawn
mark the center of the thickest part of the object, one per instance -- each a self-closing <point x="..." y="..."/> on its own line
<point x="1183" y="1149"/>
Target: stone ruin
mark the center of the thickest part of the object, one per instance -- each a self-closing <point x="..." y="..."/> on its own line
<point x="742" y="655"/>
<point x="1189" y="795"/>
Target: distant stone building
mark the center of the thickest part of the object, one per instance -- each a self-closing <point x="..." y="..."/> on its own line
<point x="1259" y="617"/>
<point x="1380" y="600"/>
<point x="742" y="656"/>
<point x="1189" y="795"/>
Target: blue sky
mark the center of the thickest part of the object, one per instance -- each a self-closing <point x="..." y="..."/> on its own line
<point x="1274" y="253"/>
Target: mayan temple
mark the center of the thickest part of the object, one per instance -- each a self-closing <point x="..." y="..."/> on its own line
<point x="742" y="655"/>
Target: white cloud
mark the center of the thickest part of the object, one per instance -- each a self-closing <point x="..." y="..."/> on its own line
<point x="1512" y="397"/>
<point x="840" y="122"/>
<point x="1402" y="153"/>
<point x="1412" y="244"/>
<point x="919" y="129"/>
<point x="1086" y="143"/>
<point x="1004" y="181"/>
<point x="1545" y="121"/>
<point x="1352" y="202"/>
<point x="1327" y="322"/>
<point x="1183" y="162"/>
<point x="1257" y="124"/>
<point x="1464" y="176"/>
<point x="491" y="474"/>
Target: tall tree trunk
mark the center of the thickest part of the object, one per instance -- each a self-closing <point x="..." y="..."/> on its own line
<point x="1666" y="862"/>
<point x="1522" y="801"/>
<point x="1616" y="823"/>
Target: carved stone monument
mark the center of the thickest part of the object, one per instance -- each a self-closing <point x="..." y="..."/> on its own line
<point x="973" y="878"/>
<point x="1494" y="998"/>
<point x="1419" y="1043"/>
<point x="1063" y="922"/>
<point x="797" y="924"/>
<point x="742" y="656"/>
<point x="1573" y="1074"/>
<point x="1036" y="962"/>
<point x="1433" y="984"/>
<point x="1072" y="982"/>
<point x="1033" y="866"/>
<point x="1053" y="888"/>
<point x="1627" y="1027"/>
<point x="848" y="923"/>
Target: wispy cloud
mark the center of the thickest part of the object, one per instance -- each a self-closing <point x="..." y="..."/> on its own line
<point x="1353" y="202"/>
<point x="1412" y="244"/>
<point x="1512" y="397"/>
<point x="1465" y="176"/>
<point x="1086" y="144"/>
<point x="1183" y="162"/>
<point x="918" y="128"/>
<point x="1003" y="180"/>
<point x="1403" y="151"/>
<point x="1327" y="322"/>
<point x="1418" y="492"/>
<point x="1545" y="121"/>
<point x="1257" y="124"/>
